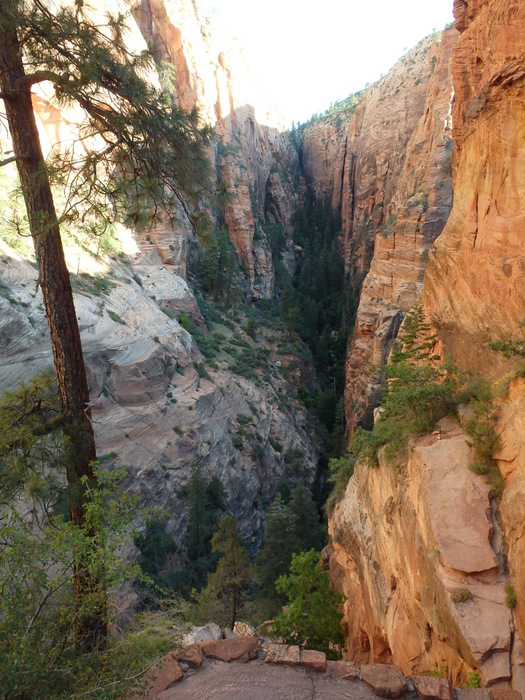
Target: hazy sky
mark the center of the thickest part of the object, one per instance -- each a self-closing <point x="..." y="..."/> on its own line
<point x="311" y="53"/>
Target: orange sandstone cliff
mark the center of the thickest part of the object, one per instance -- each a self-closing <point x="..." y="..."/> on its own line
<point x="474" y="288"/>
<point x="423" y="553"/>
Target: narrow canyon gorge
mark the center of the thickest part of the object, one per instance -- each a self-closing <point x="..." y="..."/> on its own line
<point x="425" y="172"/>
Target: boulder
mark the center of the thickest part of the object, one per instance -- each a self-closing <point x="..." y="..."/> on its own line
<point x="158" y="678"/>
<point x="283" y="654"/>
<point x="191" y="655"/>
<point x="200" y="634"/>
<point x="496" y="668"/>
<point x="386" y="681"/>
<point x="227" y="633"/>
<point x="239" y="649"/>
<point x="243" y="629"/>
<point x="314" y="660"/>
<point x="472" y="694"/>
<point x="428" y="687"/>
<point x="504" y="694"/>
<point x="342" y="669"/>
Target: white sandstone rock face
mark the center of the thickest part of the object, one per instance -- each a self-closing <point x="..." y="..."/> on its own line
<point x="151" y="410"/>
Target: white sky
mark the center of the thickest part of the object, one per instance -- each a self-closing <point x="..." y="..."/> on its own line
<point x="308" y="54"/>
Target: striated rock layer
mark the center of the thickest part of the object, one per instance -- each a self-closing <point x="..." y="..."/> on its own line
<point x="154" y="412"/>
<point x="388" y="169"/>
<point x="413" y="552"/>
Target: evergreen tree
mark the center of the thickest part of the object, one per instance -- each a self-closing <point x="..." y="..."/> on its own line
<point x="307" y="531"/>
<point x="280" y="542"/>
<point x="415" y="342"/>
<point x="314" y="615"/>
<point x="152" y="157"/>
<point x="156" y="546"/>
<point x="40" y="547"/>
<point x="226" y="592"/>
<point x="210" y="264"/>
<point x="205" y="503"/>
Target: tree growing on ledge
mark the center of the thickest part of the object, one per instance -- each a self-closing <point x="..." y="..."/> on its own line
<point x="138" y="158"/>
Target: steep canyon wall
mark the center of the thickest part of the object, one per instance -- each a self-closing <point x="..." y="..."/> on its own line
<point x="423" y="554"/>
<point x="388" y="168"/>
<point x="253" y="159"/>
<point x="474" y="289"/>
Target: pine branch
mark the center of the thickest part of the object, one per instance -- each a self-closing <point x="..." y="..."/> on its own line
<point x="41" y="76"/>
<point x="12" y="159"/>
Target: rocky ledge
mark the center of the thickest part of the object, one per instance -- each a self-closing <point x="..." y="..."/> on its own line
<point x="172" y="677"/>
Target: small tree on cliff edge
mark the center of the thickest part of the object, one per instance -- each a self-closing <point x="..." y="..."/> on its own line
<point x="153" y="152"/>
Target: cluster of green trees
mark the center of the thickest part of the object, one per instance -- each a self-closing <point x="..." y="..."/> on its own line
<point x="319" y="305"/>
<point x="292" y="526"/>
<point x="183" y="569"/>
<point x="219" y="270"/>
<point x="44" y="552"/>
<point x="286" y="570"/>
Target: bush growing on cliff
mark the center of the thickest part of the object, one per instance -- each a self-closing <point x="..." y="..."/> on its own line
<point x="481" y="429"/>
<point x="290" y="528"/>
<point x="514" y="349"/>
<point x="416" y="398"/>
<point x="417" y="392"/>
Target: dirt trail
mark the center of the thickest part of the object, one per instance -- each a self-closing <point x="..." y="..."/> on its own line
<point x="256" y="680"/>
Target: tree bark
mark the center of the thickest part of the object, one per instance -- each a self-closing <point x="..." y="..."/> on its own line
<point x="60" y="310"/>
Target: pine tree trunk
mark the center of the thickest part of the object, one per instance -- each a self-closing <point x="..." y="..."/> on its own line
<point x="60" y="311"/>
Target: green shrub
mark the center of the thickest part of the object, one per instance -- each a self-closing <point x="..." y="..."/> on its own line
<point x="243" y="419"/>
<point x="461" y="595"/>
<point x="274" y="442"/>
<point x="440" y="672"/>
<point x="202" y="371"/>
<point x="90" y="284"/>
<point x="115" y="317"/>
<point x="341" y="470"/>
<point x="251" y="328"/>
<point x="474" y="679"/>
<point x="258" y="452"/>
<point x="510" y="597"/>
<point x="481" y="429"/>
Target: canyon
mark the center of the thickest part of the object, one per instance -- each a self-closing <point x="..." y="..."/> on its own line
<point x="425" y="169"/>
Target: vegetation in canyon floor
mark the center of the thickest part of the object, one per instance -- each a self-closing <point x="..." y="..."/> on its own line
<point x="313" y="615"/>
